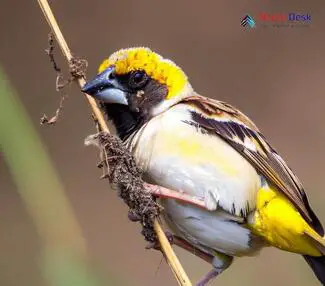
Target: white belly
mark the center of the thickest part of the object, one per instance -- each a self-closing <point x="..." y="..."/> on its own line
<point x="176" y="157"/>
<point x="210" y="231"/>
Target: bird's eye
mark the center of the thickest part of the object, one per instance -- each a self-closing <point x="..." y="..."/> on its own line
<point x="138" y="79"/>
<point x="138" y="76"/>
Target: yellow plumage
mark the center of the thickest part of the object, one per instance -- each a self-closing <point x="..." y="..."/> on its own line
<point x="164" y="71"/>
<point x="278" y="221"/>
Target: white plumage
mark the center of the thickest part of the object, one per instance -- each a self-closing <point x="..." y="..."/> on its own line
<point x="175" y="156"/>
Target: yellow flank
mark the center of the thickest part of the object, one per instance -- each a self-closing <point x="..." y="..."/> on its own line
<point x="158" y="68"/>
<point x="278" y="221"/>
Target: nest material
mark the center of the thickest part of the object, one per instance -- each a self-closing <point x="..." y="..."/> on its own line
<point x="126" y="177"/>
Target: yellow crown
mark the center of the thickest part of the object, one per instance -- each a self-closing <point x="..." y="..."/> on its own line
<point x="163" y="70"/>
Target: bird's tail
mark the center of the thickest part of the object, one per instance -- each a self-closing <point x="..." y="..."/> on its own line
<point x="317" y="264"/>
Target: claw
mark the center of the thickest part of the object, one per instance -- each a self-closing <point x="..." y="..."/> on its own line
<point x="153" y="245"/>
<point x="156" y="244"/>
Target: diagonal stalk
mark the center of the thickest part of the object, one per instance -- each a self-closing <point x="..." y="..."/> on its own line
<point x="168" y="252"/>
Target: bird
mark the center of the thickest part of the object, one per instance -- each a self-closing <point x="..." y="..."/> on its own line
<point x="226" y="192"/>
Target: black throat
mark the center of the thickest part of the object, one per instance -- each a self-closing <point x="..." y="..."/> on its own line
<point x="124" y="120"/>
<point x="129" y="118"/>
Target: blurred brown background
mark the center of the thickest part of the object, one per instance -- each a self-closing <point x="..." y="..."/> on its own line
<point x="275" y="75"/>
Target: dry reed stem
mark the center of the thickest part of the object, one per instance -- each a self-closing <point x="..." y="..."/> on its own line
<point x="167" y="250"/>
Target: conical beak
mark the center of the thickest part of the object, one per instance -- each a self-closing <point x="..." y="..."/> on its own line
<point x="106" y="88"/>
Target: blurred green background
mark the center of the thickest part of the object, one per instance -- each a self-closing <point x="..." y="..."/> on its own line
<point x="275" y="75"/>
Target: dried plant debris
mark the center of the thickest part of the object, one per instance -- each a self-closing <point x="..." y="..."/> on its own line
<point x="60" y="83"/>
<point x="54" y="119"/>
<point x="44" y="119"/>
<point x="50" y="52"/>
<point x="77" y="69"/>
<point x="125" y="176"/>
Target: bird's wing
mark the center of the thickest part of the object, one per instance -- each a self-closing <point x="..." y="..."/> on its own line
<point x="241" y="133"/>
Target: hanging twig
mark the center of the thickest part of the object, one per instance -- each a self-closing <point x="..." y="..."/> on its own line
<point x="164" y="243"/>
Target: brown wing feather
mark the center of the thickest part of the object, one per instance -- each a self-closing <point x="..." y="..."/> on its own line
<point x="238" y="130"/>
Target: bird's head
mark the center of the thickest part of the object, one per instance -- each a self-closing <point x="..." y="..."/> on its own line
<point x="140" y="79"/>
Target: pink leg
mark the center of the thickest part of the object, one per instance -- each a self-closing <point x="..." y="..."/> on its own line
<point x="170" y="194"/>
<point x="201" y="254"/>
<point x="208" y="277"/>
<point x="180" y="242"/>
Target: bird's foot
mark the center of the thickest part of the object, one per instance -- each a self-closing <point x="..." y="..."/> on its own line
<point x="220" y="263"/>
<point x="211" y="275"/>
<point x="156" y="244"/>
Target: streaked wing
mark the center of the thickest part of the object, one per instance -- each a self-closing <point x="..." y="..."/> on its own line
<point x="242" y="134"/>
